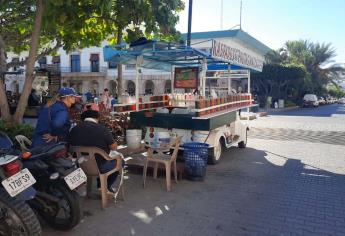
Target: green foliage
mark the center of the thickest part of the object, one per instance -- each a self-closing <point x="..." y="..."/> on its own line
<point x="298" y="68"/>
<point x="317" y="60"/>
<point x="15" y="129"/>
<point x="66" y="23"/>
<point x="146" y="18"/>
<point x="289" y="103"/>
<point x="336" y="91"/>
<point x="278" y="81"/>
<point x="83" y="23"/>
<point x="76" y="24"/>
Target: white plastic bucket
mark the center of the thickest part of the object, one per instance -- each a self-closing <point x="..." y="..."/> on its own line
<point x="133" y="138"/>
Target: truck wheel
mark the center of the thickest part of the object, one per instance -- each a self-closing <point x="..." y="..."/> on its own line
<point x="243" y="143"/>
<point x="216" y="153"/>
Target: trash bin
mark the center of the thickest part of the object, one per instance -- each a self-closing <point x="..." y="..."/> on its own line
<point x="268" y="102"/>
<point x="281" y="103"/>
<point x="195" y="155"/>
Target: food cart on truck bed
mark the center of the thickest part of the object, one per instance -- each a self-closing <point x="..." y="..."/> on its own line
<point x="202" y="117"/>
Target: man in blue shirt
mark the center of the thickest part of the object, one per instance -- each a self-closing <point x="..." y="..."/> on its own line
<point x="53" y="121"/>
<point x="88" y="96"/>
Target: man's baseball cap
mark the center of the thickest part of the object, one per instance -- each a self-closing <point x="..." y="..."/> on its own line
<point x="67" y="91"/>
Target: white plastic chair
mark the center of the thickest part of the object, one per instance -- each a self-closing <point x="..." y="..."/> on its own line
<point x="166" y="159"/>
<point x="24" y="142"/>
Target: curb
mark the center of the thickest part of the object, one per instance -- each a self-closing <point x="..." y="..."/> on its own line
<point x="272" y="110"/>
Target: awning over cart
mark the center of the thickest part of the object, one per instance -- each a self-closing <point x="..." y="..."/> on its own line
<point x="163" y="56"/>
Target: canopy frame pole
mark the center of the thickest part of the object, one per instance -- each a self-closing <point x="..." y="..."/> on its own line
<point x="248" y="91"/>
<point x="229" y="78"/>
<point x="172" y="82"/>
<point x="137" y="68"/>
<point x="248" y="81"/>
<point x="203" y="76"/>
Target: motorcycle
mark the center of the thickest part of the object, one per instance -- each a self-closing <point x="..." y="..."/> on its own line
<point x="57" y="178"/>
<point x="16" y="217"/>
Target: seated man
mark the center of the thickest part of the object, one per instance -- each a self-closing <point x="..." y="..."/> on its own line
<point x="91" y="134"/>
<point x="34" y="99"/>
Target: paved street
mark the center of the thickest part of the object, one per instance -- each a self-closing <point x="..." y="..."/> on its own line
<point x="290" y="180"/>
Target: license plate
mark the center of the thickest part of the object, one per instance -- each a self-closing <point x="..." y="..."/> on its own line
<point x="75" y="178"/>
<point x="19" y="182"/>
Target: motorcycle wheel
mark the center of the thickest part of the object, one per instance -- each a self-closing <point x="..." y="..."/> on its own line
<point x="16" y="217"/>
<point x="64" y="214"/>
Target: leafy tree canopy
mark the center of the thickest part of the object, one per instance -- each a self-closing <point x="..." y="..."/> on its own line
<point x="68" y="24"/>
<point x="73" y="24"/>
<point x="50" y="24"/>
<point x="315" y="58"/>
<point x="149" y="18"/>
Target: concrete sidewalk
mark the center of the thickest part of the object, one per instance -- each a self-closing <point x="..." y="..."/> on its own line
<point x="269" y="188"/>
<point x="272" y="110"/>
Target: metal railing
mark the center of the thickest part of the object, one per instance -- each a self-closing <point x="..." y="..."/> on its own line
<point x="84" y="69"/>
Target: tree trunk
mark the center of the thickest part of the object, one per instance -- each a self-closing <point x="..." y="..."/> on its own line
<point x="286" y="92"/>
<point x="4" y="108"/>
<point x="119" y="66"/>
<point x="30" y="63"/>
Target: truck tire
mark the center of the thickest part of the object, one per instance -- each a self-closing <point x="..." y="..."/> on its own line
<point x="216" y="153"/>
<point x="17" y="212"/>
<point x="243" y="143"/>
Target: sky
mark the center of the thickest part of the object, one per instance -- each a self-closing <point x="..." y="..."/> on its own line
<point x="273" y="22"/>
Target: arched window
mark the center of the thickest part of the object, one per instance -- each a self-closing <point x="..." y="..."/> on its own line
<point x="94" y="87"/>
<point x="112" y="86"/>
<point x="149" y="87"/>
<point x="131" y="87"/>
<point x="167" y="87"/>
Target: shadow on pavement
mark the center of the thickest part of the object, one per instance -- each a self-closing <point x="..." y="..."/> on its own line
<point x="251" y="192"/>
<point x="322" y="111"/>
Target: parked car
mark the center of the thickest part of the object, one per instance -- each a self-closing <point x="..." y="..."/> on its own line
<point x="341" y="101"/>
<point x="321" y="101"/>
<point x="310" y="100"/>
<point x="328" y="100"/>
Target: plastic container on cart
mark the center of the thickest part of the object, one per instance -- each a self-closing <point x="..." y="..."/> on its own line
<point x="159" y="138"/>
<point x="180" y="111"/>
<point x="133" y="138"/>
<point x="162" y="110"/>
<point x="195" y="155"/>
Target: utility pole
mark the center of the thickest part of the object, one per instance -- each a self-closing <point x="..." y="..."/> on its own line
<point x="241" y="16"/>
<point x="221" y="14"/>
<point x="190" y="10"/>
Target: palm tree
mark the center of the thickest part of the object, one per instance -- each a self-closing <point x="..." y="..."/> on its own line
<point x="317" y="59"/>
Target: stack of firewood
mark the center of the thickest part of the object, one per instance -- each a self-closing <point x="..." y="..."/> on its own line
<point x="117" y="124"/>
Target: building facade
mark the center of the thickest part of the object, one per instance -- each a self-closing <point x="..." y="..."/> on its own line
<point x="243" y="49"/>
<point x="86" y="70"/>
